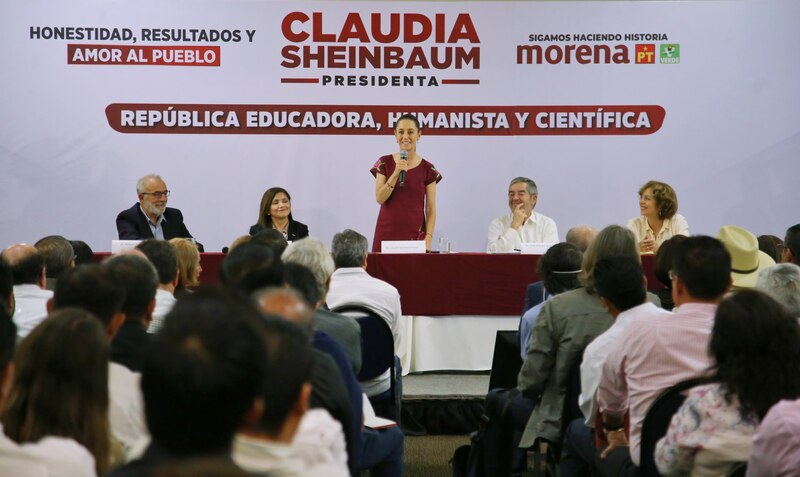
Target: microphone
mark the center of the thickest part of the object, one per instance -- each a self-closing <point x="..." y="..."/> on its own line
<point x="404" y="157"/>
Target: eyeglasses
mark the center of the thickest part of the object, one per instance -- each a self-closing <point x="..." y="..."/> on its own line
<point x="157" y="194"/>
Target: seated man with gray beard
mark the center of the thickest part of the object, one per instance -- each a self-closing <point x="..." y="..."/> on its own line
<point x="150" y="217"/>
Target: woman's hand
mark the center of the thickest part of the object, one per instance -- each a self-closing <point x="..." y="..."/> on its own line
<point x="647" y="245"/>
<point x="428" y="240"/>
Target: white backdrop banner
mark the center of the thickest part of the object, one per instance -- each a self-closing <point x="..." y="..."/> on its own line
<point x="227" y="99"/>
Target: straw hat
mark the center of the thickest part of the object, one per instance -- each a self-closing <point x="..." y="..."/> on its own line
<point x="746" y="259"/>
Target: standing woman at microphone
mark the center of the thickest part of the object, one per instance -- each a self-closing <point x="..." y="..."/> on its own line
<point x="405" y="187"/>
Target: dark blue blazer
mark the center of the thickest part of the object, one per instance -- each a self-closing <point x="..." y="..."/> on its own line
<point x="132" y="225"/>
<point x="534" y="295"/>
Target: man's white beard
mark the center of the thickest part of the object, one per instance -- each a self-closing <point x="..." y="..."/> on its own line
<point x="152" y="209"/>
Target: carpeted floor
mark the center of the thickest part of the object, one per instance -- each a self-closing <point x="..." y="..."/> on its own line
<point x="428" y="456"/>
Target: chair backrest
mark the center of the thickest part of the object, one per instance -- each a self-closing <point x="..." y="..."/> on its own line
<point x="656" y="422"/>
<point x="506" y="361"/>
<point x="377" y="341"/>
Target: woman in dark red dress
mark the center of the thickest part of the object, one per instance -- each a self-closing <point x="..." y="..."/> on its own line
<point x="408" y="210"/>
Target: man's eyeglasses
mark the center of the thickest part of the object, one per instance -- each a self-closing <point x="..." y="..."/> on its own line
<point x="157" y="194"/>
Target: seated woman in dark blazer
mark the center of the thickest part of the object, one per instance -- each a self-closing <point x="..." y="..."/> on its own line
<point x="276" y="213"/>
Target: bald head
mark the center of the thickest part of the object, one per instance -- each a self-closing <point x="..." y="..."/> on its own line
<point x="26" y="264"/>
<point x="581" y="236"/>
<point x="286" y="303"/>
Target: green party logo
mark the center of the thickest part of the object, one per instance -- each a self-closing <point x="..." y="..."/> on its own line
<point x="670" y="54"/>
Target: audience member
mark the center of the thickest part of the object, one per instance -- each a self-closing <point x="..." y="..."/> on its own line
<point x="776" y="442"/>
<point x="746" y="259"/>
<point x="83" y="252"/>
<point x="57" y="254"/>
<point x="30" y="292"/>
<point x="51" y="456"/>
<point x="791" y="251"/>
<point x="312" y="253"/>
<point x="58" y="405"/>
<point x="351" y="285"/>
<point x="755" y="349"/>
<point x="782" y="282"/>
<point x="558" y="268"/>
<point x="566" y="324"/>
<point x="380" y="451"/>
<point x="661" y="268"/>
<point x="772" y="246"/>
<point x="654" y="354"/>
<point x="202" y="380"/>
<point x="250" y="267"/>
<point x="509" y="231"/>
<point x="581" y="236"/>
<point x="334" y="386"/>
<point x="273" y="239"/>
<point x="139" y="279"/>
<point x="189" y="268"/>
<point x="163" y="256"/>
<point x="91" y="288"/>
<point x="267" y="446"/>
<point x="620" y="285"/>
<point x="150" y="217"/>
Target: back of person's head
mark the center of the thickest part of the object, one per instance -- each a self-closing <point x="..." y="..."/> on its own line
<point x="301" y="279"/>
<point x="581" y="236"/>
<point x="57" y="253"/>
<point x="755" y="346"/>
<point x="61" y="384"/>
<point x="139" y="279"/>
<point x="91" y="288"/>
<point x="26" y="262"/>
<point x="286" y="303"/>
<point x="312" y="253"/>
<point x="782" y="282"/>
<point x="251" y="266"/>
<point x="349" y="249"/>
<point x="663" y="263"/>
<point x="6" y="288"/>
<point x="188" y="260"/>
<point x="272" y="239"/>
<point x="163" y="256"/>
<point x="792" y="243"/>
<point x="620" y="280"/>
<point x="83" y="252"/>
<point x="772" y="246"/>
<point x="613" y="239"/>
<point x="202" y="372"/>
<point x="288" y="369"/>
<point x="560" y="268"/>
<point x="703" y="264"/>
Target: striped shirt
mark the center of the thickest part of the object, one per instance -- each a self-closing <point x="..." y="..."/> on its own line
<point x="651" y="356"/>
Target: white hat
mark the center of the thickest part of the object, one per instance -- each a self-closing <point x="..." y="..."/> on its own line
<point x="746" y="259"/>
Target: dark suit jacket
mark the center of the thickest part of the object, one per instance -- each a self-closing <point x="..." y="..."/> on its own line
<point x="534" y="295"/>
<point x="129" y="344"/>
<point x="132" y="225"/>
<point x="295" y="231"/>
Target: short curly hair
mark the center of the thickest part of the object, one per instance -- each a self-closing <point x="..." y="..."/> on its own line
<point x="665" y="197"/>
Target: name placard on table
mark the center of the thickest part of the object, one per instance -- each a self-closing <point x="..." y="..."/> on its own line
<point x="403" y="246"/>
<point x="122" y="245"/>
<point x="534" y="248"/>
